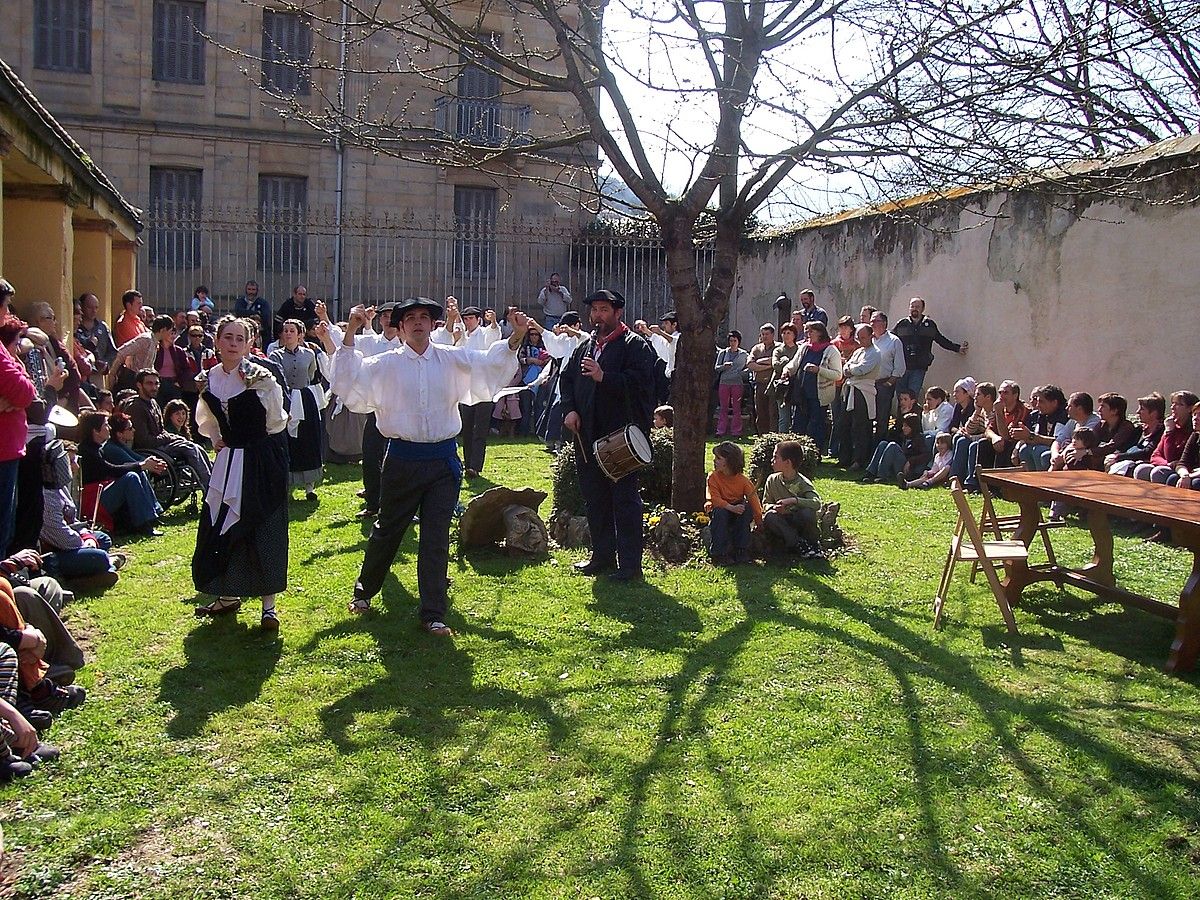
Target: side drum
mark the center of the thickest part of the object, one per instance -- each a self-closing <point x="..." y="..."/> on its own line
<point x="625" y="450"/>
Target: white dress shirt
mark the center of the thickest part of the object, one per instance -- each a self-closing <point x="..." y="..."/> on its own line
<point x="483" y="337"/>
<point x="432" y="385"/>
<point x="665" y="347"/>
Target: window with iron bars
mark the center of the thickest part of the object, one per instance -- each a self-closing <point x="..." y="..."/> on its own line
<point x="474" y="232"/>
<point x="62" y="35"/>
<point x="287" y="46"/>
<point x="179" y="41"/>
<point x="174" y="238"/>
<point x="282" y="230"/>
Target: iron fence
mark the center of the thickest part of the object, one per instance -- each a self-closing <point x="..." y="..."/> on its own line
<point x="390" y="256"/>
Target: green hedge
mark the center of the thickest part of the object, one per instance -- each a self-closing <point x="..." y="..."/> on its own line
<point x="758" y="464"/>
<point x="655" y="479"/>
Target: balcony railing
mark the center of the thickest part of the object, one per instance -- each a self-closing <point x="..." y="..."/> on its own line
<point x="489" y="123"/>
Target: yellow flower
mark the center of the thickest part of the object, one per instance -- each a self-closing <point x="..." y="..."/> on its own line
<point x="701" y="519"/>
<point x="654" y="520"/>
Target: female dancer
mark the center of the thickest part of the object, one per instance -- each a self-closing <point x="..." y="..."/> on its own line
<point x="242" y="543"/>
<point x="299" y="364"/>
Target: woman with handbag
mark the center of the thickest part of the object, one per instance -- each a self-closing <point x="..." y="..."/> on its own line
<point x="812" y="375"/>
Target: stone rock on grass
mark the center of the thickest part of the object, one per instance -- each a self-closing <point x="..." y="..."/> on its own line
<point x="525" y="532"/>
<point x="570" y="531"/>
<point x="483" y="521"/>
<point x="669" y="537"/>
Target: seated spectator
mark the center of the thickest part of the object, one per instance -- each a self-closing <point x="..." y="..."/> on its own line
<point x="973" y="431"/>
<point x="150" y="431"/>
<point x="35" y="688"/>
<point x="76" y="551"/>
<point x="732" y="503"/>
<point x="1081" y="456"/>
<point x="664" y="417"/>
<point x="201" y="301"/>
<point x="1117" y="433"/>
<point x="937" y="414"/>
<point x="906" y="404"/>
<point x="1041" y="428"/>
<point x="1187" y="470"/>
<point x="964" y="404"/>
<point x="1152" y="411"/>
<point x="939" y="470"/>
<point x="20" y="747"/>
<point x="104" y="402"/>
<point x="40" y="600"/>
<point x="791" y="502"/>
<point x="154" y="350"/>
<point x="901" y="460"/>
<point x="1169" y="452"/>
<point x="129" y="498"/>
<point x="177" y="418"/>
<point x="1079" y="413"/>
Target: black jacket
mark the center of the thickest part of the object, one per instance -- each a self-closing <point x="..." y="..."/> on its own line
<point x="624" y="397"/>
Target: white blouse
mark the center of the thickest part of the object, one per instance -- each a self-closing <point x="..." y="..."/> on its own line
<point x="227" y="385"/>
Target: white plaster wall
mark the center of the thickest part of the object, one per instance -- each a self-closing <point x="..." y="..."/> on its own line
<point x="1104" y="302"/>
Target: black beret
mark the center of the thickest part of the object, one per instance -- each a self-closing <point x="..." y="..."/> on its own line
<point x="402" y="306"/>
<point x="472" y="311"/>
<point x="607" y="296"/>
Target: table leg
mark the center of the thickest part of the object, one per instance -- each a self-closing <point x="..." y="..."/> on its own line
<point x="1100" y="569"/>
<point x="1186" y="646"/>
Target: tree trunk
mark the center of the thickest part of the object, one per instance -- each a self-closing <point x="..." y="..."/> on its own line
<point x="691" y="385"/>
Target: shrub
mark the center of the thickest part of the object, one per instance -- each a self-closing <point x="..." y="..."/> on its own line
<point x="759" y="464"/>
<point x="655" y="478"/>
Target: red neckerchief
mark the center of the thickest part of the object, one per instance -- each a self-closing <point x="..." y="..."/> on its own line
<point x="612" y="336"/>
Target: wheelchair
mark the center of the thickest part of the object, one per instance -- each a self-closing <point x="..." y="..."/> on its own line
<point x="178" y="483"/>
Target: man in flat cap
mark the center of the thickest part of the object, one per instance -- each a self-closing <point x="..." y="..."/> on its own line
<point x="421" y="470"/>
<point x="607" y="384"/>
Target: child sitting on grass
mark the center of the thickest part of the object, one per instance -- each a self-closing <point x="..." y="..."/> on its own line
<point x="732" y="502"/>
<point x="792" y="502"/>
<point x="939" y="470"/>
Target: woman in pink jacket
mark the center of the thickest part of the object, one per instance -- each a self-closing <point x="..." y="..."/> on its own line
<point x="16" y="393"/>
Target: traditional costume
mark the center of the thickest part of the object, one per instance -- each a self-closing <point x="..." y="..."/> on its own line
<point x="308" y="398"/>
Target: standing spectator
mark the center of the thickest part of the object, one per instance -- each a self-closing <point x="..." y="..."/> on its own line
<point x="846" y="344"/>
<point x="560" y="344"/>
<point x="731" y="363"/>
<point x="201" y="301"/>
<point x="858" y="396"/>
<point x="891" y="370"/>
<point x="1152" y="411"/>
<point x="783" y="354"/>
<point x="809" y="311"/>
<point x="130" y="323"/>
<point x="864" y="315"/>
<point x="761" y="364"/>
<point x="783" y="308"/>
<point x="554" y="300"/>
<point x="297" y="306"/>
<point x="253" y="305"/>
<point x="918" y="333"/>
<point x="93" y="335"/>
<point x="664" y="338"/>
<point x="812" y="378"/>
<point x="16" y="393"/>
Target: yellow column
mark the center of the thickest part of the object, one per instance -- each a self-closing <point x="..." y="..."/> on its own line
<point x="39" y="247"/>
<point x="93" y="262"/>
<point x="124" y="276"/>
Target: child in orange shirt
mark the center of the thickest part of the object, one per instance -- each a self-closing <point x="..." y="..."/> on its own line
<point x="732" y="502"/>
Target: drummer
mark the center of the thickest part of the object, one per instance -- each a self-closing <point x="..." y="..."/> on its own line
<point x="608" y="385"/>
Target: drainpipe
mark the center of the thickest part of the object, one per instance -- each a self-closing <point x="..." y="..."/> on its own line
<point x="339" y="147"/>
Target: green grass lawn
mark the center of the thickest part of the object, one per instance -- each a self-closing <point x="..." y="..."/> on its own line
<point x="745" y="733"/>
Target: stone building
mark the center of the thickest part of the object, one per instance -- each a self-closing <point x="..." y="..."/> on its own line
<point x="64" y="227"/>
<point x="179" y="102"/>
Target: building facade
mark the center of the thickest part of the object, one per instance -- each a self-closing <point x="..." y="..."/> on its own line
<point x="179" y="101"/>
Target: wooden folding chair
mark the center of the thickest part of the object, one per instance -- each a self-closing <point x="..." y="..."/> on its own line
<point x="1003" y="526"/>
<point x="968" y="545"/>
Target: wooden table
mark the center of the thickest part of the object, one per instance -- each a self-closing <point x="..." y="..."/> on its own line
<point x="1101" y="495"/>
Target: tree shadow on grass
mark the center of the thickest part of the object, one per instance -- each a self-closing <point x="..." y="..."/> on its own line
<point x="227" y="663"/>
<point x="657" y="620"/>
<point x="428" y="685"/>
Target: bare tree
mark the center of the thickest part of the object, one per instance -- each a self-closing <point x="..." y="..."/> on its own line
<point x="894" y="98"/>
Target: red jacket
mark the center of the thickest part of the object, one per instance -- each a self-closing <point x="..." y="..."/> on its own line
<point x="1170" y="448"/>
<point x="18" y="390"/>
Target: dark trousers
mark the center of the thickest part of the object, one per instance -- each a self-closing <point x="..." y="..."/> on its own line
<point x="793" y="526"/>
<point x="614" y="514"/>
<point x="884" y="394"/>
<point x="476" y="421"/>
<point x="373" y="445"/>
<point x="854" y="433"/>
<point x="730" y="532"/>
<point x="766" y="411"/>
<point x="406" y="487"/>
